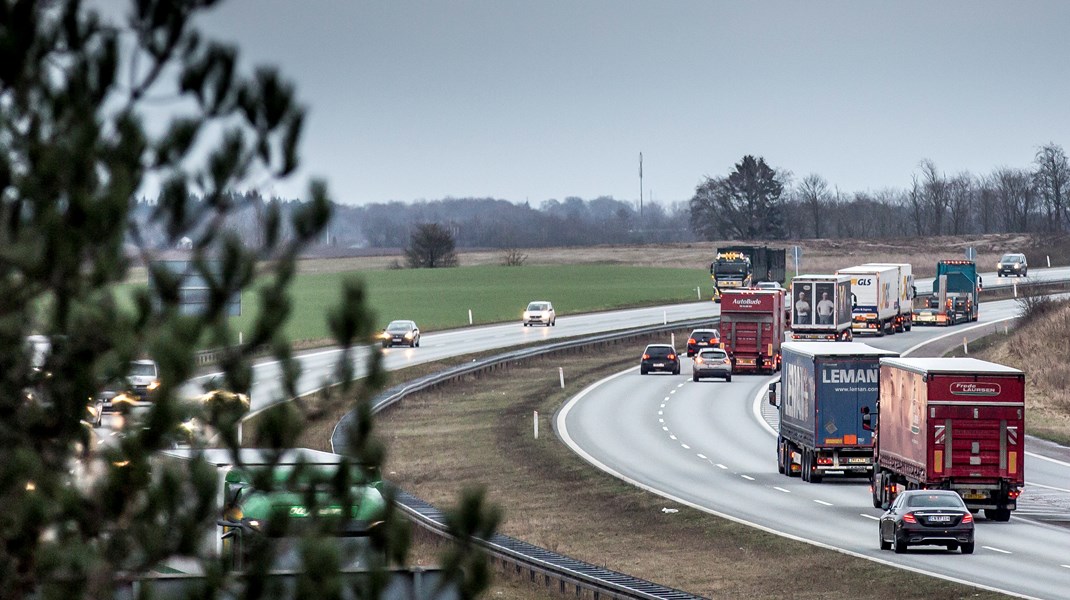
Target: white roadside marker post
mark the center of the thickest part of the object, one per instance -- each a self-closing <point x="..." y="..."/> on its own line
<point x="469" y="316"/>
<point x="965" y="347"/>
<point x="561" y="374"/>
<point x="1015" y="284"/>
<point x="698" y="291"/>
<point x="536" y="421"/>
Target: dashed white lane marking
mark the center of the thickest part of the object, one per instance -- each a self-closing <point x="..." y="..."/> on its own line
<point x="662" y="421"/>
<point x="661" y="412"/>
<point x="664" y="428"/>
<point x="997" y="550"/>
<point x="780" y="489"/>
<point x="679" y="385"/>
<point x="672" y="391"/>
<point x="685" y="446"/>
<point x="722" y="466"/>
<point x="672" y="437"/>
<point x="702" y="456"/>
<point x="870" y="517"/>
<point x="1065" y="566"/>
<point x="747" y="477"/>
<point x="667" y="398"/>
<point x="823" y="502"/>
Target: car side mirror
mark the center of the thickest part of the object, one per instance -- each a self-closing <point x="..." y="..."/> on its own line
<point x="772" y="394"/>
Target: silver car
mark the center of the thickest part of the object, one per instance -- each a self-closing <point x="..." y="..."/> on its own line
<point x="711" y="362"/>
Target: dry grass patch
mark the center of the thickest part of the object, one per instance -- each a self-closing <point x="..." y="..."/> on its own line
<point x="481" y="431"/>
<point x="1037" y="347"/>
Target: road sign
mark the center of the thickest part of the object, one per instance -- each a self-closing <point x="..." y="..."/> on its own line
<point x="971" y="254"/>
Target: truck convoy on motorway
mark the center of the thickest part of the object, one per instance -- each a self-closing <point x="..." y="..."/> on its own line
<point x="737" y="267"/>
<point x="954" y="296"/>
<point x="874" y="298"/>
<point x="821" y="308"/>
<point x="950" y="423"/>
<point x="825" y="387"/>
<point x="752" y="329"/>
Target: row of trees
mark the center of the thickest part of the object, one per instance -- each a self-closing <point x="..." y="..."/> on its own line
<point x="755" y="200"/>
<point x="758" y="201"/>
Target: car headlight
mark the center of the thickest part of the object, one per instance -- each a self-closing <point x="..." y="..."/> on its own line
<point x="409" y="335"/>
<point x="385" y="335"/>
<point x="1016" y="265"/>
<point x="526" y="315"/>
<point x="154" y="385"/>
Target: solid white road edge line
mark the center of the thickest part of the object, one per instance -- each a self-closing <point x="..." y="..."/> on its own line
<point x="562" y="430"/>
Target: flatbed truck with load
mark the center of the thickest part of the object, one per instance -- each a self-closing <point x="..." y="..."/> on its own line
<point x="752" y="329"/>
<point x="874" y="298"/>
<point x="950" y="423"/>
<point x="954" y="296"/>
<point x="821" y="308"/>
<point x="737" y="267"/>
<point x="824" y="388"/>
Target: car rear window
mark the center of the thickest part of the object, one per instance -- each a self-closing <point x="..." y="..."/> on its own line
<point x="703" y="336"/>
<point x="936" y="500"/>
<point x="713" y="354"/>
<point x="659" y="351"/>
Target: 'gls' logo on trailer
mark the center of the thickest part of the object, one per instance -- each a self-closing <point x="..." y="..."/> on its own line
<point x="864" y="281"/>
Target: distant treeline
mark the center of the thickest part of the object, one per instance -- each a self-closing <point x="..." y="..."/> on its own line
<point x="1035" y="199"/>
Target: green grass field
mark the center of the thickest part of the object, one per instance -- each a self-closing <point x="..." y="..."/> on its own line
<point x="440" y="298"/>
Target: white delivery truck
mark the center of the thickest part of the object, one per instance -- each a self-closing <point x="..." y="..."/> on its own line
<point x="875" y="298"/>
<point x="907" y="292"/>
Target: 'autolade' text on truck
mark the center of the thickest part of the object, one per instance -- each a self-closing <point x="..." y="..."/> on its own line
<point x="752" y="329"/>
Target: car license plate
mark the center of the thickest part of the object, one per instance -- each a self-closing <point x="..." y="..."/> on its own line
<point x="746" y="361"/>
<point x="974" y="496"/>
<point x="857" y="461"/>
<point x="659" y="364"/>
<point x="940" y="519"/>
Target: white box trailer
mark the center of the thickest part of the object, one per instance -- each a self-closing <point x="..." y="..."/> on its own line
<point x="875" y="298"/>
<point x="907" y="292"/>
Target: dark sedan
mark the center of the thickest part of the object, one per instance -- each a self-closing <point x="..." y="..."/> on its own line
<point x="702" y="338"/>
<point x="404" y="333"/>
<point x="660" y="357"/>
<point x="927" y="518"/>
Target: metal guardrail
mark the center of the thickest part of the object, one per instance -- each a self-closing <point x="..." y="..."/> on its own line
<point x="566" y="574"/>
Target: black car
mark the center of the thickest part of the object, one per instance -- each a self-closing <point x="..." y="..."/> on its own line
<point x="404" y="333"/>
<point x="660" y="357"/>
<point x="1012" y="264"/>
<point x="702" y="338"/>
<point x="927" y="518"/>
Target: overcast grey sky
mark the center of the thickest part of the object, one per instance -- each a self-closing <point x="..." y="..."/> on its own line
<point x="531" y="100"/>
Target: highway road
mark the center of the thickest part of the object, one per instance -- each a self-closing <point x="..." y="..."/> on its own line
<point x="711" y="445"/>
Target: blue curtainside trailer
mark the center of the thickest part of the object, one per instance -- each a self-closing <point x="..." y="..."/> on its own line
<point x="824" y="386"/>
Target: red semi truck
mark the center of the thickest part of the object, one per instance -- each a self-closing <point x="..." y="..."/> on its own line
<point x="950" y="423"/>
<point x="752" y="329"/>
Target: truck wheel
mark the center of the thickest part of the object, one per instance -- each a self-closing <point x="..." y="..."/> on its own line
<point x="728" y="379"/>
<point x="643" y="370"/>
<point x="805" y="472"/>
<point x="694" y="377"/>
<point x="815" y="476"/>
<point x="967" y="548"/>
<point x="998" y="514"/>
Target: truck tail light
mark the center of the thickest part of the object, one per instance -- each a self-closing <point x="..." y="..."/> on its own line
<point x="824" y="460"/>
<point x="1013" y="494"/>
<point x="909" y="518"/>
<point x="967" y="518"/>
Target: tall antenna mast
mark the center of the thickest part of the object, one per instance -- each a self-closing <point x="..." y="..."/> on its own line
<point x="640" y="184"/>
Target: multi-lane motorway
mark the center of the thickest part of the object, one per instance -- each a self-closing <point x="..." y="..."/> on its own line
<point x="708" y="444"/>
<point x="711" y="445"/>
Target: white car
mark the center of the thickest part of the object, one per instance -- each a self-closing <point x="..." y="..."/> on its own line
<point x="540" y="312"/>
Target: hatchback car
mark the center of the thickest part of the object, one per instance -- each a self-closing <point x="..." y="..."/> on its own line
<point x="660" y="357"/>
<point x="702" y="338"/>
<point x="1012" y="264"/>
<point x="540" y="312"/>
<point x="144" y="379"/>
<point x="711" y="362"/>
<point x="403" y="333"/>
<point x="927" y="518"/>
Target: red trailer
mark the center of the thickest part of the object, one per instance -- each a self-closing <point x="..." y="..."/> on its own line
<point x="950" y="423"/>
<point x="752" y="329"/>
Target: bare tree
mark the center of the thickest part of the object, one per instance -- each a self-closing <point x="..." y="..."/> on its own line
<point x="934" y="187"/>
<point x="1015" y="196"/>
<point x="961" y="194"/>
<point x="916" y="202"/>
<point x="1051" y="177"/>
<point x="813" y="193"/>
<point x="431" y="247"/>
